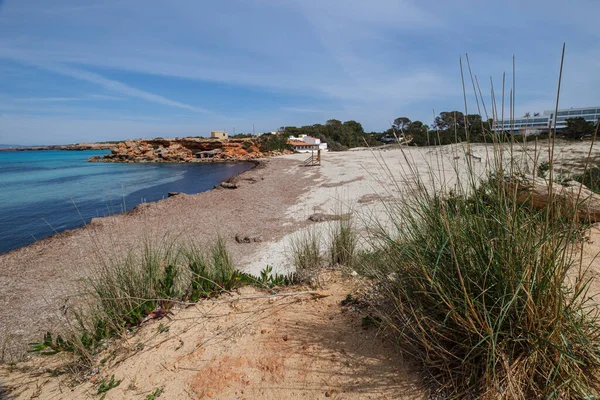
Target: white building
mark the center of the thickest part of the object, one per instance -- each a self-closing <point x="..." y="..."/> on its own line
<point x="305" y="144"/>
<point x="541" y="123"/>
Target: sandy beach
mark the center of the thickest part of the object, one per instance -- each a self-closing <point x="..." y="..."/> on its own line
<point x="297" y="346"/>
<point x="36" y="280"/>
<point x="271" y="202"/>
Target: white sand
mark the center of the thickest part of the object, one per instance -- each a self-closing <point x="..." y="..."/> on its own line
<point x="361" y="181"/>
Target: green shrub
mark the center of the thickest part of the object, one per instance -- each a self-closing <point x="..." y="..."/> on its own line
<point x="590" y="178"/>
<point x="269" y="142"/>
<point x="482" y="293"/>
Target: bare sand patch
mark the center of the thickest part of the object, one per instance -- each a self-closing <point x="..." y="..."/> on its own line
<point x="267" y="348"/>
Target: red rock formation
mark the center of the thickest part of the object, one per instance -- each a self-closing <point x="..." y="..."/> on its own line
<point x="184" y="150"/>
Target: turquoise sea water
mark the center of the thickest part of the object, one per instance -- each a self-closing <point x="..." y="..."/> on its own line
<point x="43" y="192"/>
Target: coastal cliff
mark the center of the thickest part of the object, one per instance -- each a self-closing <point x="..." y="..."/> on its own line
<point x="185" y="150"/>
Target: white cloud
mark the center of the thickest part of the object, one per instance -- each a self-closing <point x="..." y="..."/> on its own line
<point x="370" y="61"/>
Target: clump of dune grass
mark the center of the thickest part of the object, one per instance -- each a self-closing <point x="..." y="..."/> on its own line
<point x="123" y="291"/>
<point x="343" y="241"/>
<point x="305" y="253"/>
<point x="488" y="294"/>
<point x="210" y="271"/>
<point x="485" y="295"/>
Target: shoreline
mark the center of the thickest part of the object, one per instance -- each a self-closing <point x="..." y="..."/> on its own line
<point x="255" y="164"/>
<point x="272" y="201"/>
<point x="39" y="278"/>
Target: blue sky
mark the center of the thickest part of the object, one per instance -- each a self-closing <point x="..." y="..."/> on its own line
<point x="79" y="70"/>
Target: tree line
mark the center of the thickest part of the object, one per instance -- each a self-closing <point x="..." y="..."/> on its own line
<point x="448" y="127"/>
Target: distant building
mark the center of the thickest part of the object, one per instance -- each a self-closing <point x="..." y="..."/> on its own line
<point x="541" y="123"/>
<point x="305" y="143"/>
<point x="207" y="153"/>
<point x="303" y="147"/>
<point x="219" y="135"/>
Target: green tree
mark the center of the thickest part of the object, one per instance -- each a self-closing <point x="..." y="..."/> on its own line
<point x="419" y="133"/>
<point x="268" y="142"/>
<point x="401" y="123"/>
<point x="449" y="121"/>
<point x="578" y="127"/>
<point x="337" y="134"/>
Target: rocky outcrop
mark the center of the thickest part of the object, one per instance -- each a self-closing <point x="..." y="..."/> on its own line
<point x="184" y="150"/>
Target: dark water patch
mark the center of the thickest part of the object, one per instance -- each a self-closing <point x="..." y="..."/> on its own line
<point x="20" y="169"/>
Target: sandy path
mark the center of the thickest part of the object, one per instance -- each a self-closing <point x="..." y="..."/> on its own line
<point x="35" y="280"/>
<point x="296" y="347"/>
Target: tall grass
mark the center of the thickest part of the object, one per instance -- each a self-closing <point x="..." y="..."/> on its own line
<point x="343" y="242"/>
<point x="123" y="291"/>
<point x="305" y="253"/>
<point x="210" y="271"/>
<point x="485" y="296"/>
<point x="489" y="295"/>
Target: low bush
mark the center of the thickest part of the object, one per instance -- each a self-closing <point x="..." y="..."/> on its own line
<point x="483" y="294"/>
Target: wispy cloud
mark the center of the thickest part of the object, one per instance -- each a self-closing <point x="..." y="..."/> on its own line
<point x="292" y="62"/>
<point x="108" y="84"/>
<point x="89" y="97"/>
<point x="119" y="87"/>
<point x="47" y="99"/>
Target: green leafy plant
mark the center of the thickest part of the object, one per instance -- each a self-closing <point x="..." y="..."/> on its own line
<point x="106" y="386"/>
<point x="155" y="394"/>
<point x="269" y="279"/>
<point x="543" y="169"/>
<point x="50" y="346"/>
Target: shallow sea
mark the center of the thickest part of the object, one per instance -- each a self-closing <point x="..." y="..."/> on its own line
<point x="44" y="192"/>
